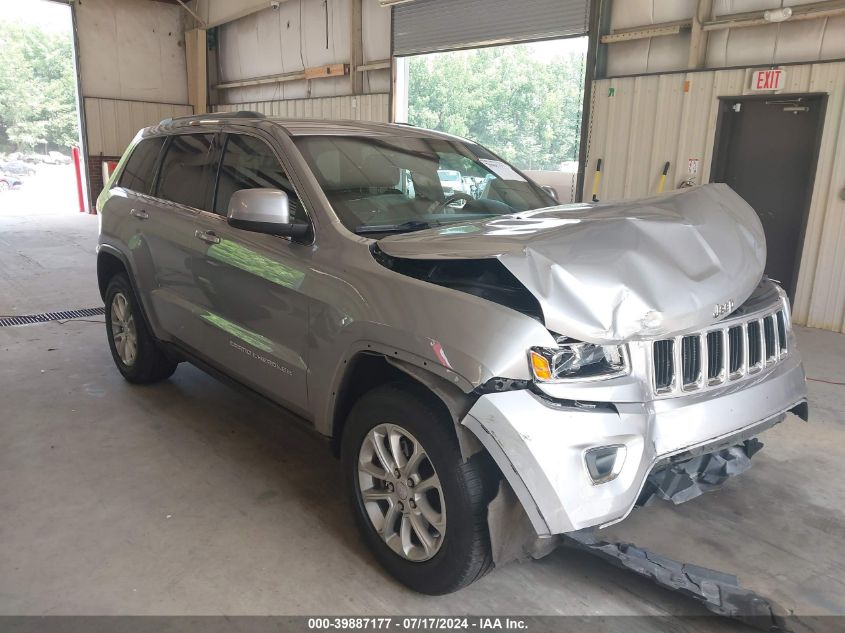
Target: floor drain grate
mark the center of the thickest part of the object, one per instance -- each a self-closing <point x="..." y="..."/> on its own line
<point x="27" y="319"/>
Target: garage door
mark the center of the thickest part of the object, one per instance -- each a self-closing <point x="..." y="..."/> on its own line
<point x="427" y="26"/>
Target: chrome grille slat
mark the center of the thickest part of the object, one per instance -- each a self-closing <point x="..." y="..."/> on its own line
<point x="663" y="365"/>
<point x="755" y="346"/>
<point x="677" y="361"/>
<point x="769" y="339"/>
<point x="781" y="332"/>
<point x="714" y="357"/>
<point x="736" y="336"/>
<point x="691" y="361"/>
<point x="714" y="349"/>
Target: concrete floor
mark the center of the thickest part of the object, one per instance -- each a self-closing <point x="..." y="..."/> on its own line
<point x="188" y="498"/>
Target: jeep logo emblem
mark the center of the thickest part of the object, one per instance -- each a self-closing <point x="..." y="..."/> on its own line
<point x="721" y="309"/>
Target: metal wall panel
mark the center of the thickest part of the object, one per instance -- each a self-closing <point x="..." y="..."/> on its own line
<point x="797" y="41"/>
<point x="359" y="108"/>
<point x="426" y="26"/>
<point x="638" y="123"/>
<point x="300" y="34"/>
<point x="113" y="123"/>
<point x="132" y="49"/>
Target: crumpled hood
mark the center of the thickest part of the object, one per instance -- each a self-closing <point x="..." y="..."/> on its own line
<point x="611" y="272"/>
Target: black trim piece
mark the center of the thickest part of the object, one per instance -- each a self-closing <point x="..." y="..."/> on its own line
<point x="498" y="385"/>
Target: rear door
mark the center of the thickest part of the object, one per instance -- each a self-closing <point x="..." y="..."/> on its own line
<point x="130" y="199"/>
<point x="184" y="189"/>
<point x="253" y="313"/>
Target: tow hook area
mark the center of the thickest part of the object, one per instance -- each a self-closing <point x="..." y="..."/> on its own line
<point x="718" y="591"/>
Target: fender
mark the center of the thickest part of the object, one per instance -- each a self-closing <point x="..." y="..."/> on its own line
<point x="458" y="403"/>
<point x="324" y="418"/>
<point x="108" y="249"/>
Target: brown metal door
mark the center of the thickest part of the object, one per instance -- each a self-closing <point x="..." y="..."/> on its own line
<point x="766" y="150"/>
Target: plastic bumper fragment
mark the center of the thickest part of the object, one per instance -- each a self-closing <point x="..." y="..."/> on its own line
<point x="682" y="481"/>
<point x="721" y="593"/>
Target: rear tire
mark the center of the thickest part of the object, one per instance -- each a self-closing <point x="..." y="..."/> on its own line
<point x="445" y="545"/>
<point x="133" y="347"/>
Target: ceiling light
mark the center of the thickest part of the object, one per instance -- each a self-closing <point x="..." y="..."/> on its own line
<point x="777" y="15"/>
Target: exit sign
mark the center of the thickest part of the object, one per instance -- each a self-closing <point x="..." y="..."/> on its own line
<point x="771" y="79"/>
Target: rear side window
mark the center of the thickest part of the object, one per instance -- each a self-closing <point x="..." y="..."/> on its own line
<point x="140" y="168"/>
<point x="249" y="163"/>
<point x="187" y="170"/>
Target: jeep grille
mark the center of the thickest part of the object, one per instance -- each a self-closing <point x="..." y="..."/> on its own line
<point x="740" y="348"/>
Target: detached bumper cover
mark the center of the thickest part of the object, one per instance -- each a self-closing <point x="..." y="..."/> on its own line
<point x="721" y="593"/>
<point x="540" y="447"/>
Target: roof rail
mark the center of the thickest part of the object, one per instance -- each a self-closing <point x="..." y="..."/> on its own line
<point x="238" y="114"/>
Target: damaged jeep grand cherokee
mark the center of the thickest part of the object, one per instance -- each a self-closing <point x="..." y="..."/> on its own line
<point x="483" y="360"/>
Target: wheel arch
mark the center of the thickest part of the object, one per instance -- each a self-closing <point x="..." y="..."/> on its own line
<point x="109" y="263"/>
<point x="112" y="261"/>
<point x="366" y="370"/>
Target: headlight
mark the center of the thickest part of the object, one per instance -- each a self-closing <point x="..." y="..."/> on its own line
<point x="574" y="360"/>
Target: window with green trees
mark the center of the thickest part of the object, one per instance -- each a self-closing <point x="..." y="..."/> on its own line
<point x="37" y="89"/>
<point x="522" y="101"/>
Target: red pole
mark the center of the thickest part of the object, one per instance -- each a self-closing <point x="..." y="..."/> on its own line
<point x="74" y="152"/>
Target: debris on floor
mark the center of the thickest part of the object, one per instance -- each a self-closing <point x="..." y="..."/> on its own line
<point x="718" y="591"/>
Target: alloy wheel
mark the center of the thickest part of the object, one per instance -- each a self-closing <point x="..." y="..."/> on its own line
<point x="123" y="330"/>
<point x="401" y="492"/>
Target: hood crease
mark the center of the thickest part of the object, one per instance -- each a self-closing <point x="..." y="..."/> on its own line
<point x="617" y="271"/>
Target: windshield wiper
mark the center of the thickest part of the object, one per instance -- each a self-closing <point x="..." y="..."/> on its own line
<point x="411" y="225"/>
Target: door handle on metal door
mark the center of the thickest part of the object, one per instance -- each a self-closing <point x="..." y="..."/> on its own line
<point x="207" y="236"/>
<point x="139" y="213"/>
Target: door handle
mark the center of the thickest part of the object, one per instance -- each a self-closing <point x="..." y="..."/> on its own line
<point x="207" y="236"/>
<point x="139" y="213"/>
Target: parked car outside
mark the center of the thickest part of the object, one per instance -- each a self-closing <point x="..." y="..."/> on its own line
<point x="565" y="363"/>
<point x="8" y="181"/>
<point x="57" y="158"/>
<point x="17" y="168"/>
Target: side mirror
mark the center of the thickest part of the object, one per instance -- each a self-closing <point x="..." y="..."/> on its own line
<point x="264" y="211"/>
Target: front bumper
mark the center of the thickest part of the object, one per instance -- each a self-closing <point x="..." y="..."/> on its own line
<point x="540" y="446"/>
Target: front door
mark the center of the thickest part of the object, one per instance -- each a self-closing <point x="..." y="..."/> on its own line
<point x="253" y="314"/>
<point x="766" y="150"/>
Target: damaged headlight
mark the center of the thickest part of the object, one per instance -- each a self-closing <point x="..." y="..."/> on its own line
<point x="575" y="360"/>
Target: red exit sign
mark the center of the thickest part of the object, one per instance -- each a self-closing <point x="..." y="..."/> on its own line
<point x="771" y="79"/>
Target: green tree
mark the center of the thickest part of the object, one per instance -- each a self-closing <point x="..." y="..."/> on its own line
<point x="37" y="88"/>
<point x="527" y="110"/>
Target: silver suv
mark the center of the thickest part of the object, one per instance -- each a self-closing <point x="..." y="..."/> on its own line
<point x="482" y="362"/>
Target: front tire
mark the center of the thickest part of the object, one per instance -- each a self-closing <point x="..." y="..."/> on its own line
<point x="421" y="508"/>
<point x="133" y="347"/>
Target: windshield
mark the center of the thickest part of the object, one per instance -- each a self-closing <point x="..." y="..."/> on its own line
<point x="391" y="184"/>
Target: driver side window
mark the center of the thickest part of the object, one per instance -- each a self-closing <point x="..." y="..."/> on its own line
<point x="249" y="163"/>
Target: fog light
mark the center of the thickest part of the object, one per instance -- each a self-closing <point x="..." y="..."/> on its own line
<point x="605" y="463"/>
